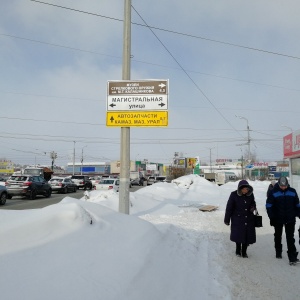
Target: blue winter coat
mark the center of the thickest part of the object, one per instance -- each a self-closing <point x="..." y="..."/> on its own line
<point x="283" y="205"/>
<point x="239" y="211"/>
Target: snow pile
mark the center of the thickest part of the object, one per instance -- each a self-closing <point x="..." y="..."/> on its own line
<point x="165" y="249"/>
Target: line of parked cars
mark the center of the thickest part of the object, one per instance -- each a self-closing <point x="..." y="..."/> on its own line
<point x="30" y="186"/>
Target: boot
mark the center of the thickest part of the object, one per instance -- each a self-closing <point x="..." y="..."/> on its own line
<point x="293" y="257"/>
<point x="278" y="252"/>
<point x="238" y="250"/>
<point x="244" y="250"/>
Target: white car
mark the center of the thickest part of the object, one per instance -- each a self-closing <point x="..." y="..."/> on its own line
<point x="95" y="180"/>
<point x="62" y="185"/>
<point x="108" y="184"/>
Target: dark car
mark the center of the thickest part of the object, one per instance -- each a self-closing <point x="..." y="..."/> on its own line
<point x="160" y="179"/>
<point x="62" y="185"/>
<point x="3" y="178"/>
<point x="138" y="181"/>
<point x="135" y="181"/>
<point x="27" y="186"/>
<point x="3" y="194"/>
<point x="82" y="182"/>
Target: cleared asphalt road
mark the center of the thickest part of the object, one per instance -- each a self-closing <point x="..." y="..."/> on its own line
<point x="19" y="203"/>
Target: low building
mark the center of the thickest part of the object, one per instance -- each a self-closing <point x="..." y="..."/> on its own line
<point x="89" y="168"/>
<point x="291" y="151"/>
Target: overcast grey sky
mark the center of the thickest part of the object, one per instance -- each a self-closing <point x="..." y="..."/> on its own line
<point x="222" y="59"/>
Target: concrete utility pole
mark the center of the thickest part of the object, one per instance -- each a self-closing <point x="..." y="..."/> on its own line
<point x="248" y="138"/>
<point x="125" y="131"/>
<point x="242" y="164"/>
<point x="53" y="156"/>
<point x="210" y="160"/>
<point x="82" y="159"/>
<point x="74" y="158"/>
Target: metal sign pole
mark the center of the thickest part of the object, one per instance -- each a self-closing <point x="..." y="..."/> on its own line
<point x="125" y="131"/>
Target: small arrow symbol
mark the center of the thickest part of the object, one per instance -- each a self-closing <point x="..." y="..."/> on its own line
<point x="112" y="105"/>
<point x="161" y="104"/>
<point x="161" y="85"/>
<point x="112" y="119"/>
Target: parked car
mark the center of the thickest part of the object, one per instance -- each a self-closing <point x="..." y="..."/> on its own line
<point x="108" y="184"/>
<point x="95" y="180"/>
<point x="160" y="179"/>
<point x="62" y="185"/>
<point x="153" y="179"/>
<point x="3" y="194"/>
<point x="27" y="186"/>
<point x="82" y="181"/>
<point x="3" y="180"/>
<point x="135" y="181"/>
<point x="138" y="181"/>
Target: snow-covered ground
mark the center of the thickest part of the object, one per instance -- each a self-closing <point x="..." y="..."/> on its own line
<point x="166" y="249"/>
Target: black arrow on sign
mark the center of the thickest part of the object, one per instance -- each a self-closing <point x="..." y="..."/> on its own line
<point x="112" y="105"/>
<point x="161" y="104"/>
<point x="112" y="119"/>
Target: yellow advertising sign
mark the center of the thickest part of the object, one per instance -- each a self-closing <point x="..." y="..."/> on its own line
<point x="137" y="119"/>
<point x="191" y="162"/>
<point x="6" y="167"/>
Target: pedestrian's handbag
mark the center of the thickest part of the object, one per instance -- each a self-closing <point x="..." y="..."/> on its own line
<point x="258" y="220"/>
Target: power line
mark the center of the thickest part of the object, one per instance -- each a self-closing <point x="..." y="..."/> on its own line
<point x="166" y="129"/>
<point x="177" y="62"/>
<point x="137" y="61"/>
<point x="52" y="121"/>
<point x="96" y="140"/>
<point x="186" y="73"/>
<point x="174" y="32"/>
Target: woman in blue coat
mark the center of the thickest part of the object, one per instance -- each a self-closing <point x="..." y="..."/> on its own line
<point x="239" y="212"/>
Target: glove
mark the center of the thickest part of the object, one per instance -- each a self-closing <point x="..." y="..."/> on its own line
<point x="272" y="222"/>
<point x="252" y="209"/>
<point x="226" y="223"/>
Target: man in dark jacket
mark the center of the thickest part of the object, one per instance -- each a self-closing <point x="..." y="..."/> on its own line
<point x="282" y="208"/>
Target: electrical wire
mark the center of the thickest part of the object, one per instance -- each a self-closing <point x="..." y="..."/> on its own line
<point x="171" y="31"/>
<point x="137" y="61"/>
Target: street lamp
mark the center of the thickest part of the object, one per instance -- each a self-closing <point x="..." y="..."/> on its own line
<point x="248" y="140"/>
<point x="136" y="165"/>
<point x="210" y="164"/>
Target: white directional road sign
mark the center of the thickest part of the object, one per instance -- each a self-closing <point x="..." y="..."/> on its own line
<point x="138" y="95"/>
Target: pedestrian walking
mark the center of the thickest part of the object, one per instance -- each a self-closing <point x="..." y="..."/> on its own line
<point x="239" y="212"/>
<point x="271" y="186"/>
<point x="283" y="207"/>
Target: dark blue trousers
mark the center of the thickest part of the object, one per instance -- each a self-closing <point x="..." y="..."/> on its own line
<point x="289" y="232"/>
